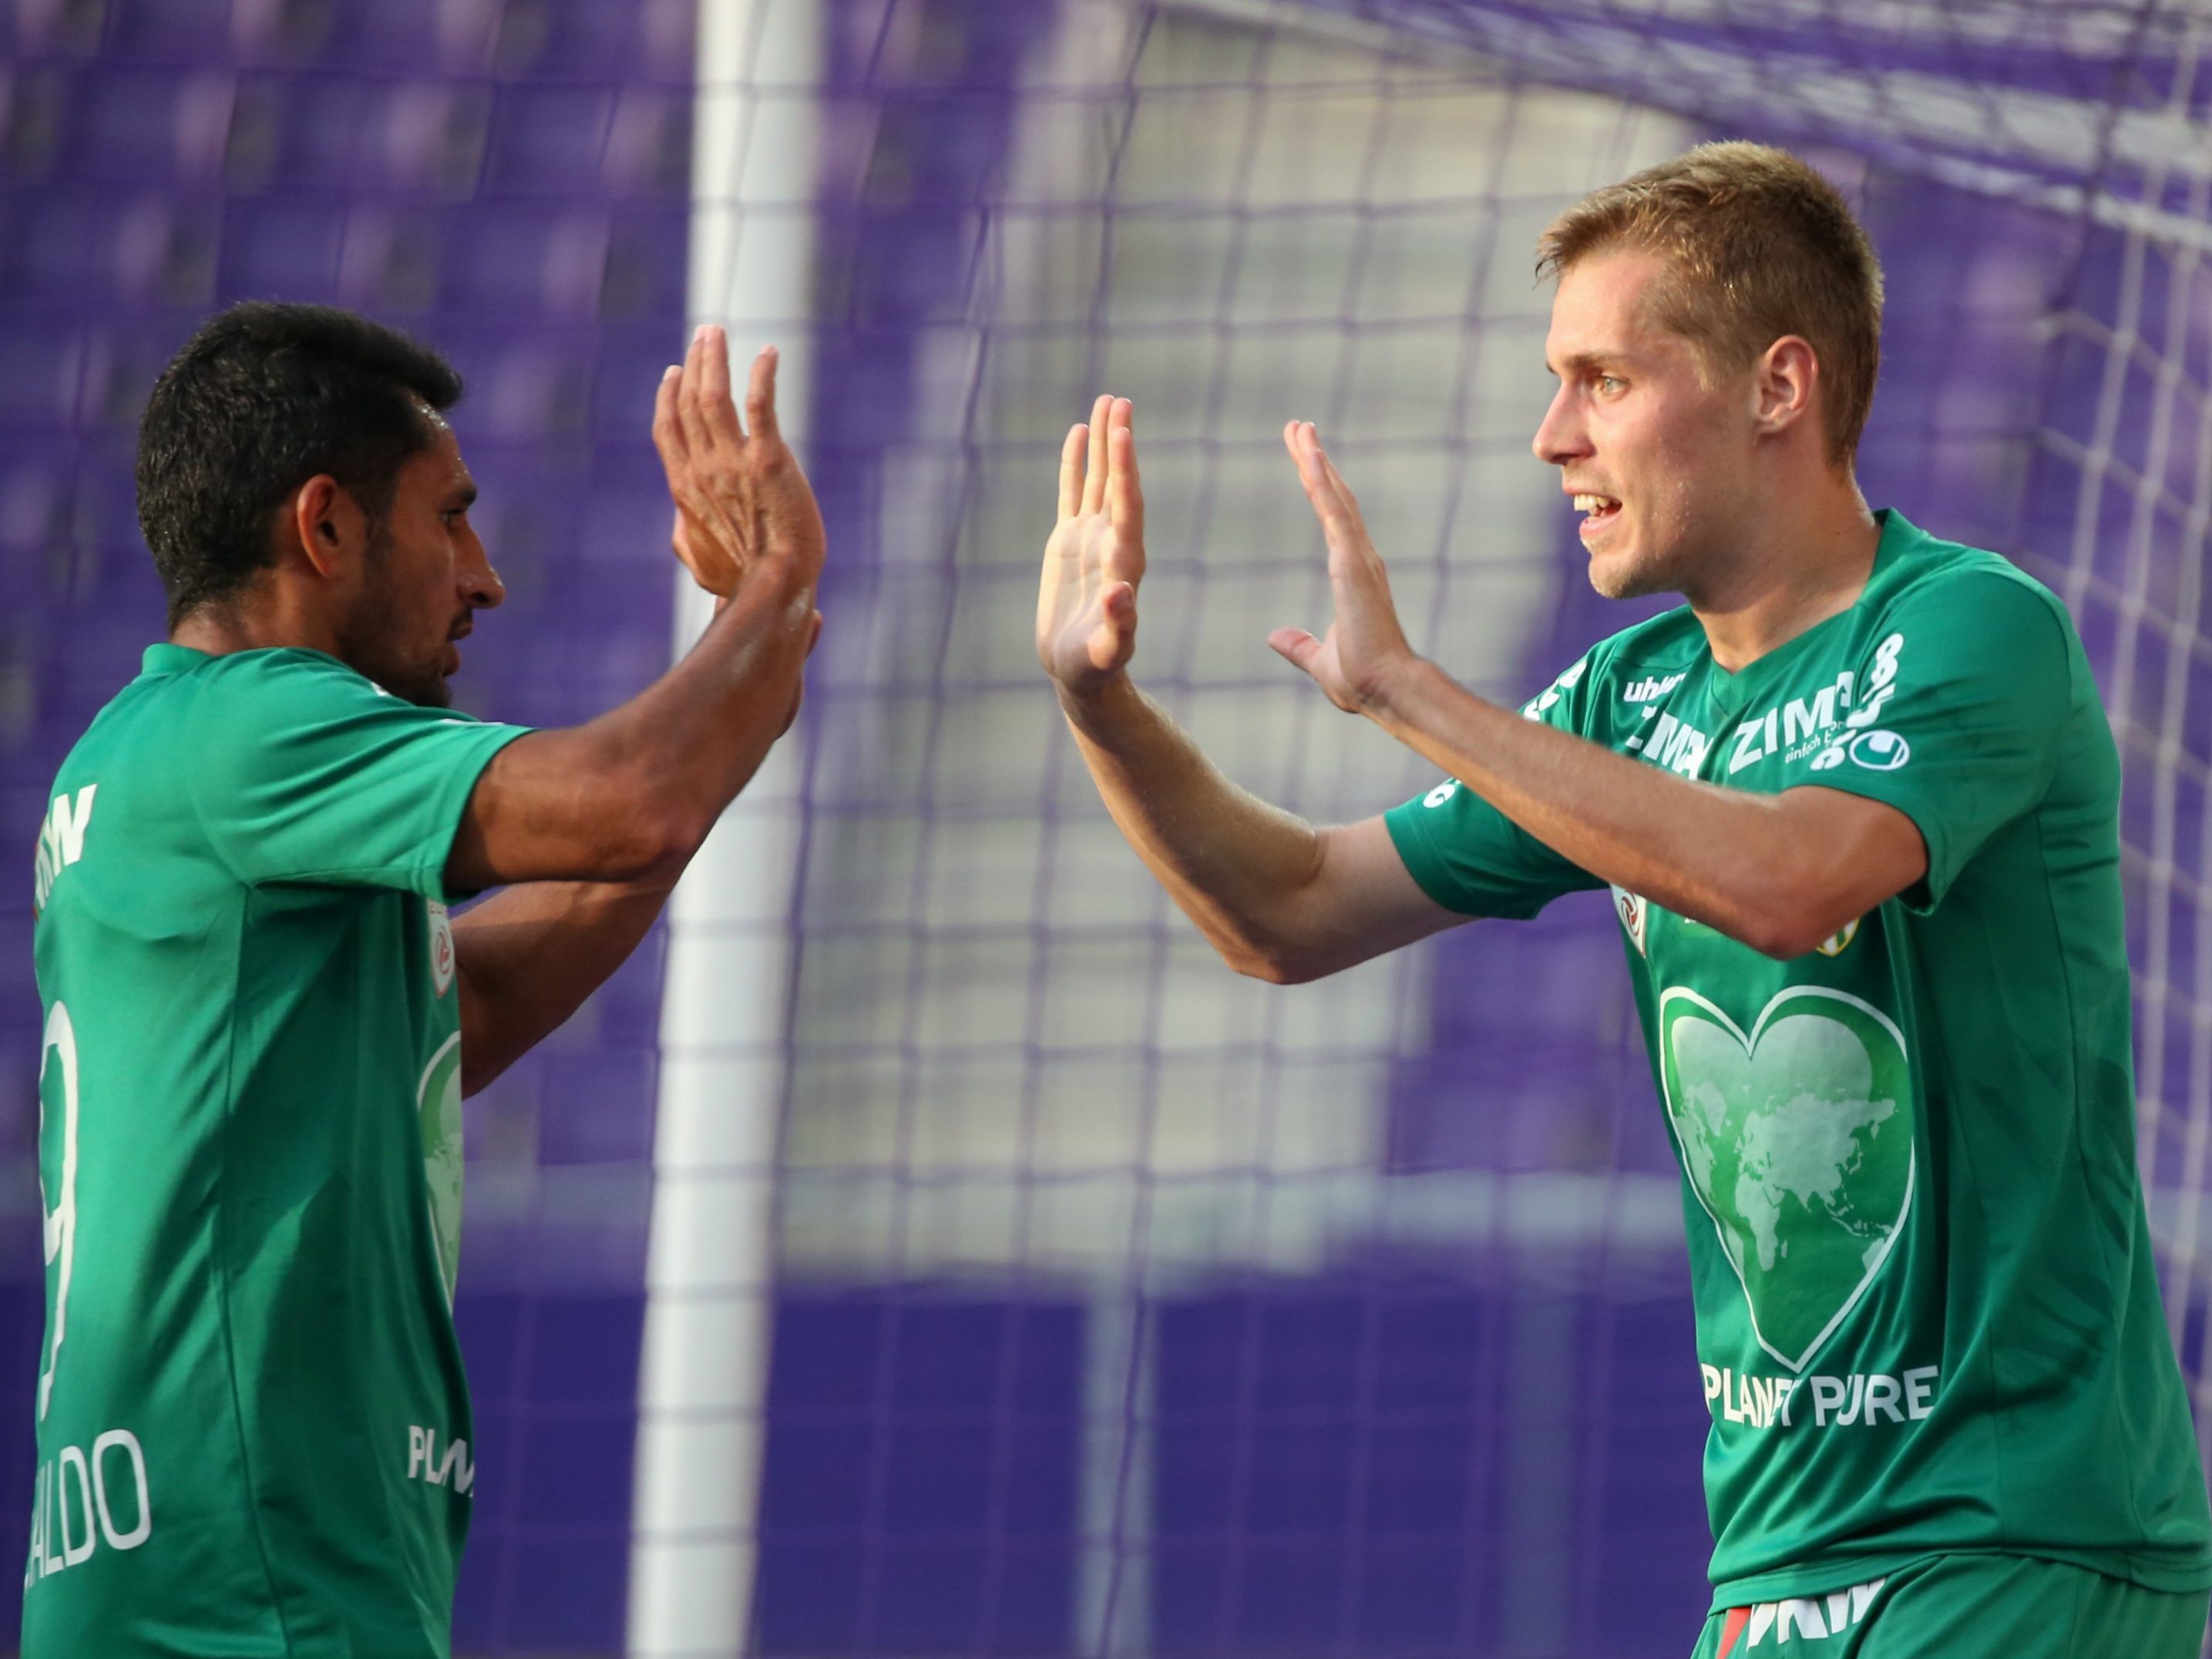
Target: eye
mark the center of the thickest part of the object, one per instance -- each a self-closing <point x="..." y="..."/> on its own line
<point x="1610" y="385"/>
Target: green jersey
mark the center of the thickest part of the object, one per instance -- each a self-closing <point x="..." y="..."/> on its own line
<point x="252" y="1424"/>
<point x="1927" y="1319"/>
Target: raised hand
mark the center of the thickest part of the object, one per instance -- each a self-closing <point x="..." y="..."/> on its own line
<point x="1364" y="644"/>
<point x="1086" y="622"/>
<point x="741" y="499"/>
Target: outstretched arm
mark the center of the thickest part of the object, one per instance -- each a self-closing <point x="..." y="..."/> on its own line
<point x="632" y="794"/>
<point x="1278" y="898"/>
<point x="1778" y="872"/>
<point x="623" y="801"/>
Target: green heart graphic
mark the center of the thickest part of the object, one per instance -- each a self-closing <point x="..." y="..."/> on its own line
<point x="1798" y="1140"/>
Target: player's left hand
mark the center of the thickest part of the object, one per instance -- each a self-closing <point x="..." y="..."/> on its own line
<point x="1364" y="644"/>
<point x="742" y="500"/>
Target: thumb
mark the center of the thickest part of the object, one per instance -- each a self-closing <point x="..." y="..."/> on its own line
<point x="1110" y="643"/>
<point x="1296" y="647"/>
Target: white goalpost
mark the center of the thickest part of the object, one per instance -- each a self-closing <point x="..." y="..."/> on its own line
<point x="709" y="1273"/>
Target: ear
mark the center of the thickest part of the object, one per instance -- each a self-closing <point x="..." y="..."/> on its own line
<point x="327" y="526"/>
<point x="1785" y="382"/>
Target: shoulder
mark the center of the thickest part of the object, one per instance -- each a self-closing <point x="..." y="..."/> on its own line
<point x="1931" y="578"/>
<point x="269" y="692"/>
<point x="290" y="668"/>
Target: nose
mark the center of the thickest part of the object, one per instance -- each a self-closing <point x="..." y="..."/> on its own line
<point x="480" y="587"/>
<point x="1560" y="437"/>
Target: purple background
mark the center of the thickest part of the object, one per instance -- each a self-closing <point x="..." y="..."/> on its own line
<point x="510" y="179"/>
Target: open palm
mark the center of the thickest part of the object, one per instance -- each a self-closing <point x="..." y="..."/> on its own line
<point x="1086" y="625"/>
<point x="1364" y="642"/>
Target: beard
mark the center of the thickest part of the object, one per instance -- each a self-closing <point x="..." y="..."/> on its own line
<point x="1635" y="579"/>
<point x="1672" y="556"/>
<point x="372" y="643"/>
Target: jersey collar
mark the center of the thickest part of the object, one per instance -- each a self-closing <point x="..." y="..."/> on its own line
<point x="1730" y="689"/>
<point x="166" y="659"/>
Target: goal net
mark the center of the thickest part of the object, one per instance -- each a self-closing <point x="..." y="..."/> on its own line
<point x="1085" y="1297"/>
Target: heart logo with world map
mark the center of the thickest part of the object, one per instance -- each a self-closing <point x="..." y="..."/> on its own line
<point x="1797" y="1139"/>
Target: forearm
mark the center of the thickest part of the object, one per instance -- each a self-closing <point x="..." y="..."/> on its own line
<point x="1731" y="859"/>
<point x="527" y="958"/>
<point x="687" y="744"/>
<point x="1234" y="864"/>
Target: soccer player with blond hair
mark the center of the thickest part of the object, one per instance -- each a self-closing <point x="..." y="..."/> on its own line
<point x="1857" y="803"/>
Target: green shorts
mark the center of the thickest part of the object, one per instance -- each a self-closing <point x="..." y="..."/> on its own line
<point x="1968" y="1607"/>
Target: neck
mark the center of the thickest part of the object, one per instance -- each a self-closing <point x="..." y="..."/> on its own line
<point x="269" y="616"/>
<point x="1799" y="570"/>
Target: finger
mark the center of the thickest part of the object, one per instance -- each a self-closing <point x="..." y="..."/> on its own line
<point x="719" y="580"/>
<point x="1094" y="478"/>
<point x="1070" y="470"/>
<point x="1296" y="647"/>
<point x="668" y="429"/>
<point x="1315" y="472"/>
<point x="1343" y="489"/>
<point x="760" y="395"/>
<point x="715" y="407"/>
<point x="1124" y="491"/>
<point x="1113" y="642"/>
<point x="689" y="415"/>
<point x="1297" y="438"/>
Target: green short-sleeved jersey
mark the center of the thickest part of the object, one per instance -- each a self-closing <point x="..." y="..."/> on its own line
<point x="1927" y="1318"/>
<point x="252" y="1422"/>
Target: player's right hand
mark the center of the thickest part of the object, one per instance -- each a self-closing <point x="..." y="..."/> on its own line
<point x="741" y="499"/>
<point x="1086" y="623"/>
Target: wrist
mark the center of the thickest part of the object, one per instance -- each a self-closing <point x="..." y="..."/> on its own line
<point x="1393" y="684"/>
<point x="1092" y="705"/>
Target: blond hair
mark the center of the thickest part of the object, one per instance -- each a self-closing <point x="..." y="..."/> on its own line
<point x="1759" y="246"/>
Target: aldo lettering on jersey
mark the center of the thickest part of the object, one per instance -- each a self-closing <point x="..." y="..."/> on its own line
<point x="80" y="1500"/>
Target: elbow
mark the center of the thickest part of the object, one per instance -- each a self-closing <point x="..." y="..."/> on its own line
<point x="1267" y="970"/>
<point x="1797" y="920"/>
<point x="1273" y="963"/>
<point x="654" y="840"/>
<point x="1783" y="938"/>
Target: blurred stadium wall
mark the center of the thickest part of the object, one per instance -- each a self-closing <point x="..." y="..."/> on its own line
<point x="1021" y="1281"/>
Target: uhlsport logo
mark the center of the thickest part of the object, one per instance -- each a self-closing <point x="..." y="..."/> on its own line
<point x="1880" y="751"/>
<point x="1797" y="1139"/>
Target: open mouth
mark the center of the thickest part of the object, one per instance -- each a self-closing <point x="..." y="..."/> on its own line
<point x="1596" y="510"/>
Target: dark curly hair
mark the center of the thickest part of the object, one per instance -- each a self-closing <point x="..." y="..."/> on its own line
<point x="264" y="398"/>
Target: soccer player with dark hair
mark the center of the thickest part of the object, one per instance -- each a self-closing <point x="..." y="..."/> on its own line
<point x="253" y="1428"/>
<point x="1858" y="806"/>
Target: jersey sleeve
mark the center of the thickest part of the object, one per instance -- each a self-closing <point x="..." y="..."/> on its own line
<point x="306" y="773"/>
<point x="1961" y="710"/>
<point x="1468" y="856"/>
